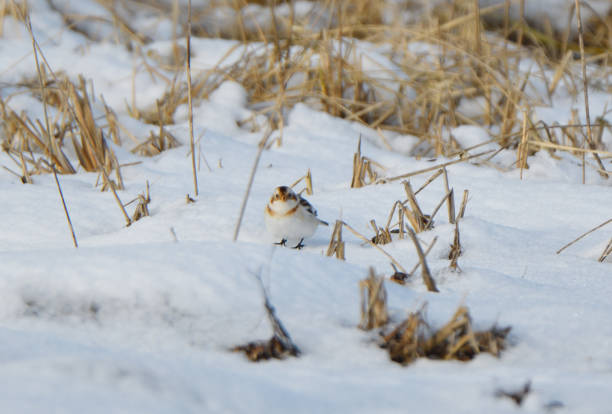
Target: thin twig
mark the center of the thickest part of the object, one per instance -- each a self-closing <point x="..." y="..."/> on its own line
<point x="431" y="245"/>
<point x="362" y="237"/>
<point x="435" y="167"/>
<point x="569" y="148"/>
<point x="450" y="198"/>
<point x="606" y="251"/>
<point x="425" y="273"/>
<point x="261" y="147"/>
<point x="463" y="204"/>
<point x="584" y="234"/>
<point x="429" y="180"/>
<point x="59" y="189"/>
<point x="585" y="81"/>
<point x="189" y="101"/>
<point x="43" y="89"/>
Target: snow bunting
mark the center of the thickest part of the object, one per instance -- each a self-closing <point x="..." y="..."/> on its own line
<point x="290" y="217"/>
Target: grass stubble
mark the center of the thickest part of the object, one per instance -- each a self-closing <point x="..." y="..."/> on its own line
<point x="315" y="59"/>
<point x="414" y="338"/>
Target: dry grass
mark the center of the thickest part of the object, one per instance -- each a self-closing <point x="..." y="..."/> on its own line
<point x="374" y="312"/>
<point x="607" y="250"/>
<point x="156" y="143"/>
<point x="371" y="243"/>
<point x="291" y="57"/>
<point x="142" y="207"/>
<point x="336" y="244"/>
<point x="411" y="219"/>
<point x="279" y="346"/>
<point x="307" y="178"/>
<point x="456" y="250"/>
<point x="363" y="173"/>
<point x="409" y="214"/>
<point x="262" y="350"/>
<point x="36" y="150"/>
<point x="515" y="395"/>
<point x="428" y="279"/>
<point x="413" y="338"/>
<point x="74" y="112"/>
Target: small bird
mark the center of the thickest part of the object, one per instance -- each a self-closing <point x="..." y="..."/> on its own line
<point x="290" y="217"/>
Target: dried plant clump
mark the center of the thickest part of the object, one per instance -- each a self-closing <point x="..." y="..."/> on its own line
<point x="26" y="142"/>
<point x="374" y="312"/>
<point x="363" y="174"/>
<point x="399" y="277"/>
<point x="37" y="151"/>
<point x="156" y="144"/>
<point x="419" y="221"/>
<point x="336" y="244"/>
<point x="411" y="219"/>
<point x="413" y="338"/>
<point x="410" y="214"/>
<point x="517" y="395"/>
<point x="382" y="235"/>
<point x="279" y="346"/>
<point x="455" y="249"/>
<point x="89" y="142"/>
<point x="142" y="208"/>
<point x="263" y="350"/>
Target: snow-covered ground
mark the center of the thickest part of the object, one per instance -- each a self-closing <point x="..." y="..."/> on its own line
<point x="141" y="319"/>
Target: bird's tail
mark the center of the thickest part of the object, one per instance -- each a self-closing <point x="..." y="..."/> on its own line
<point x="325" y="223"/>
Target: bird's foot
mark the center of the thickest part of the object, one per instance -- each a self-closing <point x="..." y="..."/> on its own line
<point x="299" y="245"/>
<point x="283" y="242"/>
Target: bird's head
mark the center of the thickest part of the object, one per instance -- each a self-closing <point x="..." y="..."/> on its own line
<point x="283" y="198"/>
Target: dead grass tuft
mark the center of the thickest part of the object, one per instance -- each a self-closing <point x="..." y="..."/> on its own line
<point x="382" y="235"/>
<point x="142" y="208"/>
<point x="399" y="277"/>
<point x="157" y="143"/>
<point x="263" y="350"/>
<point x="336" y="244"/>
<point x="373" y="302"/>
<point x="89" y="141"/>
<point x="413" y="338"/>
<point x="516" y="395"/>
<point x="363" y="174"/>
<point x="455" y="249"/>
<point x="36" y="150"/>
<point x="279" y="346"/>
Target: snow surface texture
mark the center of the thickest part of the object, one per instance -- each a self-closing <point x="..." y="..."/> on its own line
<point x="140" y="319"/>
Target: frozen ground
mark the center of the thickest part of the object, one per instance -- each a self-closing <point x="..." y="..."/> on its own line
<point x="140" y="319"/>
